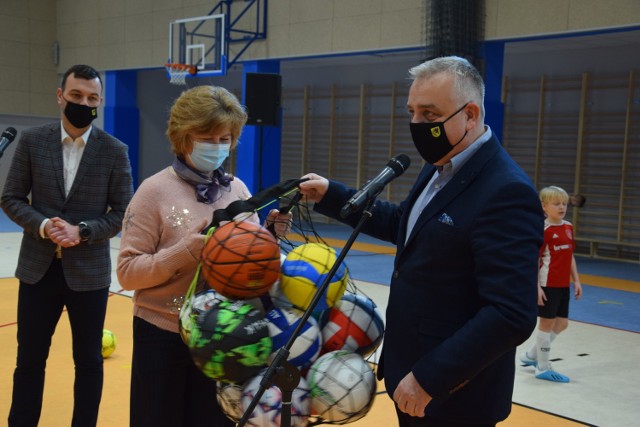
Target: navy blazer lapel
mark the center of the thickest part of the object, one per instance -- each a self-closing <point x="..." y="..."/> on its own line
<point x="458" y="183"/>
<point x="423" y="179"/>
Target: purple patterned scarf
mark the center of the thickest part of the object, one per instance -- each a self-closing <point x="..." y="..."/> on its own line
<point x="206" y="187"/>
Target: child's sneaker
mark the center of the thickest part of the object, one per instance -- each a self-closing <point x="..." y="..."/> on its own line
<point x="526" y="360"/>
<point x="551" y="375"/>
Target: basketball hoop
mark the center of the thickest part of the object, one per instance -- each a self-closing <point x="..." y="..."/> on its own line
<point x="178" y="73"/>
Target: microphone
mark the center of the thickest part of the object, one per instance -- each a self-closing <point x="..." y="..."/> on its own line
<point x="7" y="138"/>
<point x="395" y="167"/>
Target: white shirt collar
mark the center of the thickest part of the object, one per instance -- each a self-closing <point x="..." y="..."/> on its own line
<point x="84" y="136"/>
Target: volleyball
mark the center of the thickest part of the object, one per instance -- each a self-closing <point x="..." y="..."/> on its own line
<point x="108" y="343"/>
<point x="305" y="269"/>
<point x="342" y="387"/>
<point x="267" y="412"/>
<point x="241" y="260"/>
<point x="354" y="324"/>
<point x="229" y="396"/>
<point x="306" y="347"/>
<point x="230" y="341"/>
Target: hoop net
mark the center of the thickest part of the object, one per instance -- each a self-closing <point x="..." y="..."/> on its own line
<point x="178" y="73"/>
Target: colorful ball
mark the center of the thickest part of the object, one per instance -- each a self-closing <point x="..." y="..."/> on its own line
<point x="229" y="397"/>
<point x="305" y="270"/>
<point x="241" y="260"/>
<point x="230" y="341"/>
<point x="200" y="302"/>
<point x="354" y="324"/>
<point x="306" y="347"/>
<point x="267" y="412"/>
<point x="342" y="387"/>
<point x="108" y="343"/>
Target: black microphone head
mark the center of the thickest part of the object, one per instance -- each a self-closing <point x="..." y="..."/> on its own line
<point x="399" y="164"/>
<point x="10" y="133"/>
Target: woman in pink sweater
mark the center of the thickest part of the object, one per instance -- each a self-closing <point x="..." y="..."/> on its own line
<point x="160" y="250"/>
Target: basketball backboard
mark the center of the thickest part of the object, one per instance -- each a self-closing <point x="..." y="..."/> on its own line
<point x="199" y="42"/>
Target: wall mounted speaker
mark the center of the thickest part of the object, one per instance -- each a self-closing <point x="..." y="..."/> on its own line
<point x="262" y="98"/>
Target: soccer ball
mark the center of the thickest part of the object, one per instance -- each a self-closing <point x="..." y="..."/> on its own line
<point x="342" y="387"/>
<point x="229" y="396"/>
<point x="108" y="343"/>
<point x="354" y="324"/>
<point x="306" y="347"/>
<point x="230" y="341"/>
<point x="267" y="412"/>
<point x="190" y="311"/>
<point x="304" y="271"/>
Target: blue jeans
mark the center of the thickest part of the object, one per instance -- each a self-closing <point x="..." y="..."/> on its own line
<point x="40" y="306"/>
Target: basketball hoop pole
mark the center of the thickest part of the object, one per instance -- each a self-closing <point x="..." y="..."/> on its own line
<point x="280" y="372"/>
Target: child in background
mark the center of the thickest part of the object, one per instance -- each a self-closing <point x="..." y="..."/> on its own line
<point x="557" y="268"/>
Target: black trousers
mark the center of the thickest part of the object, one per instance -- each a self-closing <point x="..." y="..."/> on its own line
<point x="405" y="420"/>
<point x="167" y="389"/>
<point x="40" y="306"/>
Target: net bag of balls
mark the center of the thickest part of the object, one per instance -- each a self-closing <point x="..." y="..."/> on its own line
<point x="228" y="338"/>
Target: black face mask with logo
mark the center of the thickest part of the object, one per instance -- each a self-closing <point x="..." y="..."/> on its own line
<point x="80" y="115"/>
<point x="431" y="139"/>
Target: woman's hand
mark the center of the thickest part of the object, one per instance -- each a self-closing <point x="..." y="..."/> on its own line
<point x="281" y="222"/>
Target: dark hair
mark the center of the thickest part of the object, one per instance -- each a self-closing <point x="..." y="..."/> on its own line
<point x="82" y="71"/>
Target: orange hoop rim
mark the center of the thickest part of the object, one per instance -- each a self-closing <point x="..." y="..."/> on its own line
<point x="191" y="69"/>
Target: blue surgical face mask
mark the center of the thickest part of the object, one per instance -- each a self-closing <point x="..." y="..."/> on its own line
<point x="207" y="157"/>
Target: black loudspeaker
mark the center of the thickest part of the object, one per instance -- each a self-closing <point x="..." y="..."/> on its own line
<point x="262" y="98"/>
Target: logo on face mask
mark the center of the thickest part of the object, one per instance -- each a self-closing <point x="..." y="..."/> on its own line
<point x="80" y="115"/>
<point x="207" y="157"/>
<point x="431" y="139"/>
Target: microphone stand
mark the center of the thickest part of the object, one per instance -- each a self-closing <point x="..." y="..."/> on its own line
<point x="280" y="372"/>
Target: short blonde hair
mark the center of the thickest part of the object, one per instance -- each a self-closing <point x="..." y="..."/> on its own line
<point x="551" y="193"/>
<point x="204" y="109"/>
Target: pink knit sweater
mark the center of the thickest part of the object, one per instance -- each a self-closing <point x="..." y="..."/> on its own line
<point x="161" y="243"/>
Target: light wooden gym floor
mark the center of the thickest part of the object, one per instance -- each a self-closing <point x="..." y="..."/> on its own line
<point x="601" y="362"/>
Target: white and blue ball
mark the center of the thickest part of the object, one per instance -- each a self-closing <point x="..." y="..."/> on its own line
<point x="342" y="385"/>
<point x="267" y="412"/>
<point x="306" y="347"/>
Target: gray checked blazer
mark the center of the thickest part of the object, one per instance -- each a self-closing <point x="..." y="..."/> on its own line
<point x="101" y="191"/>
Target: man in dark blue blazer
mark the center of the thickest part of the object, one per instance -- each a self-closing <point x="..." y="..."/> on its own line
<point x="68" y="187"/>
<point x="463" y="292"/>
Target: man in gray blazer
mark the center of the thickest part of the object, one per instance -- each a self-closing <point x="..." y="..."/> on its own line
<point x="68" y="187"/>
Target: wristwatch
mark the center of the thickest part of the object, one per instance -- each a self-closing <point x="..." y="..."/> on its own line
<point x="84" y="231"/>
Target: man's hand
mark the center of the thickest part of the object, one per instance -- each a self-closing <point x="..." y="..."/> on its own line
<point x="315" y="188"/>
<point x="411" y="397"/>
<point x="62" y="233"/>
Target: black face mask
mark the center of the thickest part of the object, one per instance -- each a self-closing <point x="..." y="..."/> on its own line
<point x="80" y="115"/>
<point x="431" y="139"/>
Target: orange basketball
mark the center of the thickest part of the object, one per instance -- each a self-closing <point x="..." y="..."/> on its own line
<point x="241" y="260"/>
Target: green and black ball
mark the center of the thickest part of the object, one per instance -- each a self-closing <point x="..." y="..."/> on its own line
<point x="230" y="341"/>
